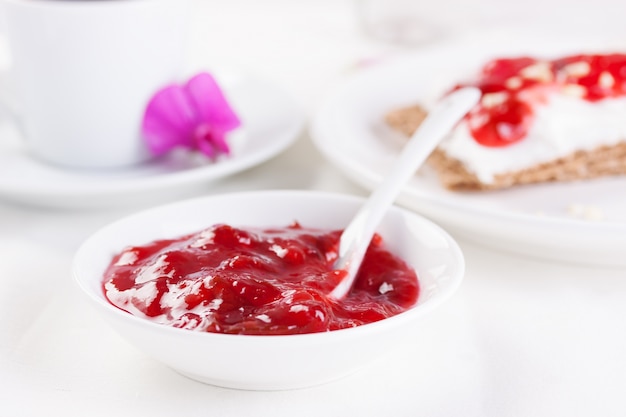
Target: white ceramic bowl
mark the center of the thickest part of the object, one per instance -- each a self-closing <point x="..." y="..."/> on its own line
<point x="271" y="362"/>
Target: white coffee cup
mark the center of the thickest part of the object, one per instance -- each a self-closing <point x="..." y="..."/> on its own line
<point x="83" y="71"/>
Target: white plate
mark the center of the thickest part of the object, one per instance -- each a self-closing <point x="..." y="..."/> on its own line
<point x="556" y="221"/>
<point x="272" y="122"/>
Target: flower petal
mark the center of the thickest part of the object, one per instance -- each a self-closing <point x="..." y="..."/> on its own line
<point x="169" y="120"/>
<point x="219" y="142"/>
<point x="210" y="140"/>
<point x="210" y="103"/>
<point x="196" y="116"/>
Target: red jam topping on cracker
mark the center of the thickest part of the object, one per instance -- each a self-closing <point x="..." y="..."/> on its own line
<point x="512" y="88"/>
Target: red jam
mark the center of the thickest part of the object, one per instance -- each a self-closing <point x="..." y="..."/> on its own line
<point x="257" y="282"/>
<point x="512" y="86"/>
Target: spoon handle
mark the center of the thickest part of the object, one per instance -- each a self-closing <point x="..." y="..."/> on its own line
<point x="357" y="235"/>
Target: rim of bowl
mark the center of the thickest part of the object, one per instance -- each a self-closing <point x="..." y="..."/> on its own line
<point x="412" y="313"/>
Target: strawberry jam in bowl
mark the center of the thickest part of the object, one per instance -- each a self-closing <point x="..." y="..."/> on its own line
<point x="234" y="290"/>
<point x="274" y="281"/>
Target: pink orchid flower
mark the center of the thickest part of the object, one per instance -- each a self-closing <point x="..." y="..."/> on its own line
<point x="196" y="116"/>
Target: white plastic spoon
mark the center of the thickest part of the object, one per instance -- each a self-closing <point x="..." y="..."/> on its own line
<point x="357" y="236"/>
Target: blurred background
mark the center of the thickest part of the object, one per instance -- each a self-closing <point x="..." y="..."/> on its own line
<point x="301" y="44"/>
<point x="304" y="44"/>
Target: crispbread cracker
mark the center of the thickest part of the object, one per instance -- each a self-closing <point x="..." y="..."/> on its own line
<point x="602" y="161"/>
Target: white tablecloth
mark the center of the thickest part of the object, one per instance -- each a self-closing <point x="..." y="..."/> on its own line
<point x="522" y="337"/>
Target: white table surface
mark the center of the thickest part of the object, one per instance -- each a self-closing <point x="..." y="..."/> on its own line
<point x="522" y="337"/>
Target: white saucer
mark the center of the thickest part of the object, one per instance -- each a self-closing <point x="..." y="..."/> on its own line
<point x="271" y="119"/>
<point x="582" y="222"/>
